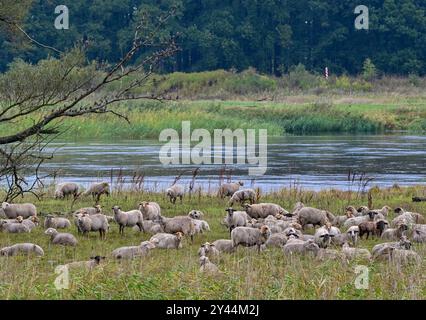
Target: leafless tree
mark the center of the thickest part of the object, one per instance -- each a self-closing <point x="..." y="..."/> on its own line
<point x="36" y="99"/>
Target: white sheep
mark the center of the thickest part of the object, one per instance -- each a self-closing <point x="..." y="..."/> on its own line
<point x="93" y="223"/>
<point x="208" y="249"/>
<point x="196" y="214"/>
<point x="208" y="267"/>
<point x="236" y="218"/>
<point x="351" y="235"/>
<point x="167" y="240"/>
<point x="249" y="237"/>
<point x="223" y="245"/>
<point x="263" y="210"/>
<point x="322" y="237"/>
<point x="127" y="219"/>
<point x="150" y="210"/>
<point x="134" y="251"/>
<point x="98" y="189"/>
<point x="183" y="224"/>
<point x="301" y="247"/>
<point x="395" y="233"/>
<point x="243" y="195"/>
<point x="64" y="190"/>
<point x="228" y="189"/>
<point x="85" y="265"/>
<point x="65" y="239"/>
<point x="56" y="222"/>
<point x="25" y="210"/>
<point x="174" y="192"/>
<point x="13" y="227"/>
<point x="355" y="253"/>
<point x="22" y="248"/>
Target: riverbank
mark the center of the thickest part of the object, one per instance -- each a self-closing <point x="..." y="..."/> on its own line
<point x="174" y="274"/>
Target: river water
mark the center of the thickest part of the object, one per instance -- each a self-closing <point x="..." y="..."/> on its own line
<point x="310" y="162"/>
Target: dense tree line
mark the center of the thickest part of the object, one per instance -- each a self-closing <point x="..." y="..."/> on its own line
<point x="270" y="35"/>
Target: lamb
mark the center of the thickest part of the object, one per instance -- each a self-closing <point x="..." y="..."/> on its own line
<point x="65" y="239"/>
<point x="93" y="223"/>
<point x="98" y="189"/>
<point x="208" y="249"/>
<point x="56" y="222"/>
<point x="167" y="240"/>
<point x="183" y="224"/>
<point x="243" y="195"/>
<point x="350" y="235"/>
<point x="355" y="253"/>
<point x="150" y="210"/>
<point x="174" y="192"/>
<point x="263" y="210"/>
<point x="134" y="251"/>
<point x="308" y="215"/>
<point x="127" y="219"/>
<point x="86" y="265"/>
<point x="395" y="233"/>
<point x="419" y="233"/>
<point x="64" y="190"/>
<point x="14" y="227"/>
<point x="301" y="247"/>
<point x="22" y="248"/>
<point x="228" y="189"/>
<point x="200" y="226"/>
<point x="250" y="237"/>
<point x="25" y="210"/>
<point x="208" y="267"/>
<point x="196" y="214"/>
<point x="223" y="245"/>
<point x="322" y="237"/>
<point x="236" y="219"/>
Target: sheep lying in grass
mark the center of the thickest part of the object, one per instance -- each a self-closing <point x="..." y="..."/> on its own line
<point x="200" y="226"/>
<point x="280" y="239"/>
<point x="25" y="210"/>
<point x="127" y="218"/>
<point x="243" y="195"/>
<point x="322" y="237"/>
<point x="208" y="267"/>
<point x="167" y="240"/>
<point x="228" y="189"/>
<point x="85" y="265"/>
<point x="403" y="243"/>
<point x="174" y="192"/>
<point x="56" y="222"/>
<point x="395" y="233"/>
<point x="65" y="239"/>
<point x="64" y="190"/>
<point x="263" y="210"/>
<point x="301" y="247"/>
<point x="208" y="249"/>
<point x="93" y="223"/>
<point x="150" y="210"/>
<point x="13" y="227"/>
<point x="398" y="256"/>
<point x="89" y="210"/>
<point x="96" y="190"/>
<point x="308" y="215"/>
<point x="134" y="251"/>
<point x="183" y="224"/>
<point x="249" y="237"/>
<point x="330" y="254"/>
<point x="355" y="253"/>
<point x="351" y="235"/>
<point x="31" y="222"/>
<point x="22" y="248"/>
<point x="236" y="218"/>
<point x="419" y="233"/>
<point x="223" y="245"/>
<point x="408" y="218"/>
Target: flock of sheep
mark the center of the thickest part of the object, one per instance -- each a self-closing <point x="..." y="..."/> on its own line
<point x="258" y="225"/>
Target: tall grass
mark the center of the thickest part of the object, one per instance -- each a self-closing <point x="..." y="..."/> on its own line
<point x="173" y="274"/>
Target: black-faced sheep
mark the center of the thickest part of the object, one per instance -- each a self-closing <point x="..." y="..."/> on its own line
<point x="395" y="233"/>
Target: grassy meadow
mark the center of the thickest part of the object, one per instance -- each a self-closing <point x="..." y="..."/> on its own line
<point x="174" y="274"/>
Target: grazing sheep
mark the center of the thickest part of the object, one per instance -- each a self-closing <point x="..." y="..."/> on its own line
<point x="355" y="221"/>
<point x="13" y="227"/>
<point x="98" y="189"/>
<point x="355" y="253"/>
<point x="236" y="218"/>
<point x="183" y="224"/>
<point x="56" y="222"/>
<point x="13" y="210"/>
<point x="22" y="248"/>
<point x="174" y="192"/>
<point x="208" y="249"/>
<point x="395" y="233"/>
<point x="134" y="251"/>
<point x="85" y="265"/>
<point x="223" y="245"/>
<point x="308" y="215"/>
<point x="196" y="214"/>
<point x="127" y="218"/>
<point x="150" y="227"/>
<point x="350" y="235"/>
<point x="228" y="189"/>
<point x="250" y="237"/>
<point x="419" y="233"/>
<point x="208" y="267"/>
<point x="301" y="247"/>
<point x="150" y="210"/>
<point x="243" y="195"/>
<point x="322" y="237"/>
<point x="167" y="240"/>
<point x="93" y="223"/>
<point x="263" y="210"/>
<point x="65" y="239"/>
<point x="64" y="190"/>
